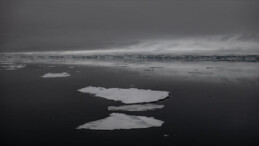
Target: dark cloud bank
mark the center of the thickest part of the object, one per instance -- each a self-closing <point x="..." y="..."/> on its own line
<point x="52" y="25"/>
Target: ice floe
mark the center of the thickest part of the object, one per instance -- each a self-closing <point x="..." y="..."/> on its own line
<point x="135" y="107"/>
<point x="128" y="96"/>
<point x="13" y="66"/>
<point x="55" y="75"/>
<point x="122" y="121"/>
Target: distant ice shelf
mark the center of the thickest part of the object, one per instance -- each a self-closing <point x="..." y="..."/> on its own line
<point x="55" y="75"/>
<point x="135" y="107"/>
<point x="128" y="96"/>
<point x="122" y="121"/>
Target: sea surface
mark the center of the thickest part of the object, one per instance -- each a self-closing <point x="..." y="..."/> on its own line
<point x="210" y="103"/>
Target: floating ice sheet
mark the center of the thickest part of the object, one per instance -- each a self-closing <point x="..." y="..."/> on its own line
<point x="128" y="96"/>
<point x="56" y="75"/>
<point x="122" y="121"/>
<point x="135" y="107"/>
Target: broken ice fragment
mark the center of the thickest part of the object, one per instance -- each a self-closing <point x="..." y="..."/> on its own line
<point x="122" y="121"/>
<point x="128" y="96"/>
<point x="13" y="66"/>
<point x="135" y="107"/>
<point x="55" y="75"/>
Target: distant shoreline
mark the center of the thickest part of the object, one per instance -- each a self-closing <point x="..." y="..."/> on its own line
<point x="132" y="57"/>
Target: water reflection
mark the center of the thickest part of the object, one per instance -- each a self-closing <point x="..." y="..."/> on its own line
<point x="201" y="71"/>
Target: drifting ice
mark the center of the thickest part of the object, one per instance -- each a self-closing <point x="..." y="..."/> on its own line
<point x="122" y="121"/>
<point x="127" y="96"/>
<point x="13" y="66"/>
<point x="135" y="107"/>
<point x="56" y="75"/>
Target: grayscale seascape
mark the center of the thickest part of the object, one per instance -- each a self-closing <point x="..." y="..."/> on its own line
<point x="137" y="72"/>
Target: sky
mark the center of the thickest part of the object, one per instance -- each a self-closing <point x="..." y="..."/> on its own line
<point x="146" y="25"/>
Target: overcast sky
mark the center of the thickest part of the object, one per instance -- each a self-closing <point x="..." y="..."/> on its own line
<point x="38" y="25"/>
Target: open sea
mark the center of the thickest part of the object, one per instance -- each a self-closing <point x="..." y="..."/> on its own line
<point x="210" y="103"/>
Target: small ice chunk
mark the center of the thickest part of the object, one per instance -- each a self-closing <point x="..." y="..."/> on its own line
<point x="135" y="107"/>
<point x="55" y="75"/>
<point x="13" y="66"/>
<point x="122" y="121"/>
<point x="128" y="96"/>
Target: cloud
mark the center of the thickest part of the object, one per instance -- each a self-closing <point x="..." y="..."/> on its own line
<point x="240" y="44"/>
<point x="224" y="44"/>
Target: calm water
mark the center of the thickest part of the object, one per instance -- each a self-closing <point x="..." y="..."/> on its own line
<point x="210" y="103"/>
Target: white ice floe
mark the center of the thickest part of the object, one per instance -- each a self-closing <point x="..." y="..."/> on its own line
<point x="135" y="107"/>
<point x="13" y="66"/>
<point x="122" y="121"/>
<point x="128" y="96"/>
<point x="55" y="75"/>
